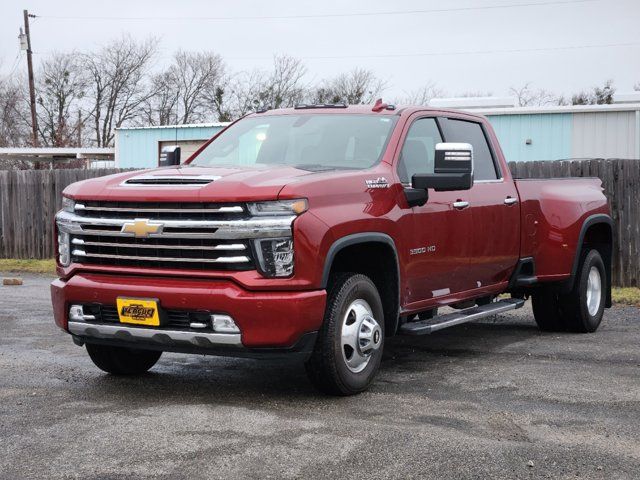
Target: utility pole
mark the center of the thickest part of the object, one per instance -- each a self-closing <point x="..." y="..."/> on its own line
<point x="32" y="88"/>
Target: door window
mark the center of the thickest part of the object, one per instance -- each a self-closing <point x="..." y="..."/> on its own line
<point x="418" y="151"/>
<point x="471" y="132"/>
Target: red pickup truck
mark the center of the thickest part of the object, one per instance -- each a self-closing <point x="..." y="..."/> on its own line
<point x="319" y="231"/>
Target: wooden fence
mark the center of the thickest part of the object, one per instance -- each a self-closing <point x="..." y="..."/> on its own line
<point x="29" y="200"/>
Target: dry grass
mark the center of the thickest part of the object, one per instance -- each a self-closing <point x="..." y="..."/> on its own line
<point x="29" y="266"/>
<point x="626" y="296"/>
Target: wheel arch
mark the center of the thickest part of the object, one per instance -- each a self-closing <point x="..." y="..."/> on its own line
<point x="387" y="282"/>
<point x="596" y="231"/>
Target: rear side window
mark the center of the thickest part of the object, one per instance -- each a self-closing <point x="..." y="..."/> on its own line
<point x="418" y="150"/>
<point x="470" y="132"/>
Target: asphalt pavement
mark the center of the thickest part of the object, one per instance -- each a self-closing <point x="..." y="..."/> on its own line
<point x="492" y="399"/>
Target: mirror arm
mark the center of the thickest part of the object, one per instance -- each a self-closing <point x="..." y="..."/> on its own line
<point x="416" y="197"/>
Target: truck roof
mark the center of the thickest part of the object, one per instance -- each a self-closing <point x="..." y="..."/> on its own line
<point x="404" y="110"/>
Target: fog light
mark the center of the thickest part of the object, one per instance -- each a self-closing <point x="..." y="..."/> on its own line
<point x="76" y="313"/>
<point x="275" y="256"/>
<point x="224" y="324"/>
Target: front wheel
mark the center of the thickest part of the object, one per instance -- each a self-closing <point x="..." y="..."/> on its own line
<point x="348" y="350"/>
<point x="121" y="360"/>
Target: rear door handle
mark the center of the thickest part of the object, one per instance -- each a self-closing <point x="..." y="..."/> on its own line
<point x="510" y="201"/>
<point x="460" y="205"/>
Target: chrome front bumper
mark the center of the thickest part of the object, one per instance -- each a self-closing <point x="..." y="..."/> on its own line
<point x="154" y="336"/>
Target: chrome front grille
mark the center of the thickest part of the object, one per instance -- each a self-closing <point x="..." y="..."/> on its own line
<point x="195" y="236"/>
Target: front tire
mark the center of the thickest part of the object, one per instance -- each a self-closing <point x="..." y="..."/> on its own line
<point x="121" y="360"/>
<point x="349" y="347"/>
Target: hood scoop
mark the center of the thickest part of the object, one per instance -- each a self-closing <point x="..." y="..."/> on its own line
<point x="170" y="180"/>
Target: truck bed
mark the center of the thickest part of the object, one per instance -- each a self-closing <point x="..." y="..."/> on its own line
<point x="553" y="212"/>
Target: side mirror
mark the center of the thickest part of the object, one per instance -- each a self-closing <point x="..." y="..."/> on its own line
<point x="453" y="169"/>
<point x="170" y="156"/>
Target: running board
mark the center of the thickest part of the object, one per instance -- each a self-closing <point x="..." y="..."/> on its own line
<point x="423" y="327"/>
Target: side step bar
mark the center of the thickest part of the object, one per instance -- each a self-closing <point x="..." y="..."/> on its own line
<point x="423" y="327"/>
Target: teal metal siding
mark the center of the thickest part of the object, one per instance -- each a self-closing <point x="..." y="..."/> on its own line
<point x="550" y="135"/>
<point x="138" y="148"/>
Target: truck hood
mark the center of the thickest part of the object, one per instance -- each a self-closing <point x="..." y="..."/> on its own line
<point x="189" y="184"/>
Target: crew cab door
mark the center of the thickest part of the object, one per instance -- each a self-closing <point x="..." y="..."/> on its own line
<point x="437" y="234"/>
<point x="493" y="205"/>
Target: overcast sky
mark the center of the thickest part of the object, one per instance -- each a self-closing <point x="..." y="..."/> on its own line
<point x="462" y="50"/>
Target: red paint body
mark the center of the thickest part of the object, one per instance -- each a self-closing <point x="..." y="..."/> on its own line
<point x="476" y="249"/>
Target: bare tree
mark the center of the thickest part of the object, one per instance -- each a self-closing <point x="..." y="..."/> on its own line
<point x="61" y="86"/>
<point x="422" y="95"/>
<point x="182" y="93"/>
<point x="636" y="87"/>
<point x="359" y="86"/>
<point x="476" y="94"/>
<point x="527" y="96"/>
<point x="243" y="92"/>
<point x="118" y="90"/>
<point x="15" y="124"/>
<point x="161" y="106"/>
<point x="284" y="87"/>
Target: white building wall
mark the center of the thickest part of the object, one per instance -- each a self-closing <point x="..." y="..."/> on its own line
<point x="604" y="135"/>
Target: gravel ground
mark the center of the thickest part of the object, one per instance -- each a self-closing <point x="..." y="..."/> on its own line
<point x="493" y="399"/>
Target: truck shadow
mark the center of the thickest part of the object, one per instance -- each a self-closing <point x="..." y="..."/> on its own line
<point x="212" y="380"/>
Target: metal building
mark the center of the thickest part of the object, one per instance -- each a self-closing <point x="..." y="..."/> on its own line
<point x="525" y="133"/>
<point x="558" y="133"/>
<point x="139" y="147"/>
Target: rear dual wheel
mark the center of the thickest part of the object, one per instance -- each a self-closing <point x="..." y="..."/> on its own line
<point x="581" y="309"/>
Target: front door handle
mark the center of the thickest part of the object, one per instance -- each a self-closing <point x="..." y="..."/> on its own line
<point x="510" y="201"/>
<point x="460" y="205"/>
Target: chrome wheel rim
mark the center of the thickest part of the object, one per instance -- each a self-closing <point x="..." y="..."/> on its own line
<point x="360" y="337"/>
<point x="594" y="291"/>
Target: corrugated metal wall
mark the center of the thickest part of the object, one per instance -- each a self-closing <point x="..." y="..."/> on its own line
<point x="138" y="148"/>
<point x="604" y="135"/>
<point x="559" y="136"/>
<point x="549" y="133"/>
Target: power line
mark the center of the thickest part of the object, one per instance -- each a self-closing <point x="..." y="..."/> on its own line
<point x="322" y="15"/>
<point x="434" y="54"/>
<point x="425" y="54"/>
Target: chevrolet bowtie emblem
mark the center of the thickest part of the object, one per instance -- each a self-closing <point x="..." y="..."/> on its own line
<point x="142" y="227"/>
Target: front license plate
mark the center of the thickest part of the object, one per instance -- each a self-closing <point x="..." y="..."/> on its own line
<point x="139" y="311"/>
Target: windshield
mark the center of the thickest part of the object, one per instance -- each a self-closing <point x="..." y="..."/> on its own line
<point x="307" y="141"/>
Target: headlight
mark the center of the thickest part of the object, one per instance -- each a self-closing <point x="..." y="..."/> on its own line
<point x="68" y="205"/>
<point x="278" y="207"/>
<point x="64" y="256"/>
<point x="275" y="256"/>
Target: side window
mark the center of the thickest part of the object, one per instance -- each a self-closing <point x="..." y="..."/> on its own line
<point x="470" y="132"/>
<point x="418" y="150"/>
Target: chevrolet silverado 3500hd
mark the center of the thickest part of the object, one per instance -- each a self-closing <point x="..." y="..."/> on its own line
<point x="318" y="232"/>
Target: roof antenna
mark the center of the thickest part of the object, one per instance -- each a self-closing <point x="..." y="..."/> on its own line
<point x="379" y="106"/>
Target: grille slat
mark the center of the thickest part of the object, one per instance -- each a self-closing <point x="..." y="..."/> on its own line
<point x="238" y="259"/>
